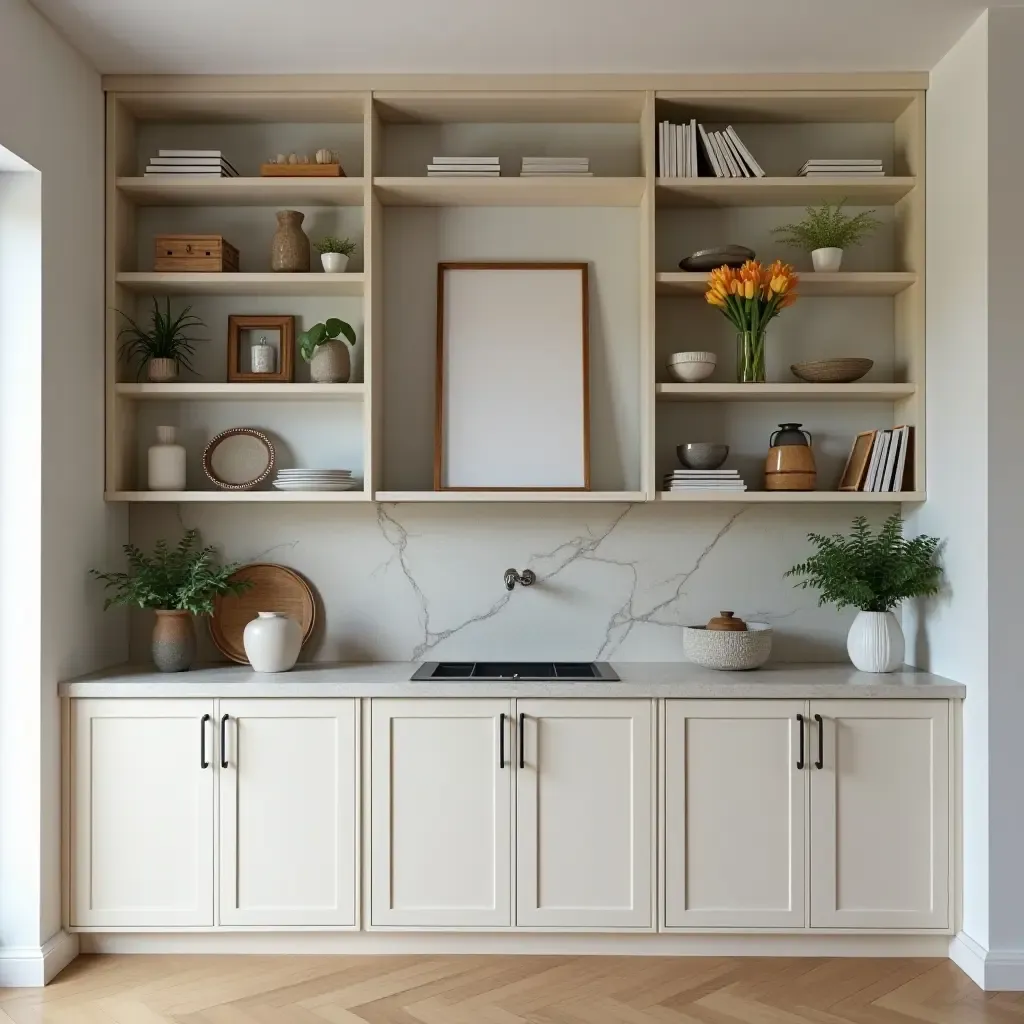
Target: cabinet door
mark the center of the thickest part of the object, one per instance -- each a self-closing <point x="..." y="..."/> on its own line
<point x="585" y="814"/>
<point x="441" y="813"/>
<point x="880" y="814"/>
<point x="288" y="822"/>
<point x="735" y="804"/>
<point x="142" y="813"/>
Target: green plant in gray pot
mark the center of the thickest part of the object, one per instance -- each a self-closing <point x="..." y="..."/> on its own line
<point x="163" y="347"/>
<point x="328" y="356"/>
<point x="178" y="583"/>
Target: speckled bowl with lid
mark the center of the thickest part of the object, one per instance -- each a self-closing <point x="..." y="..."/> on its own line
<point x="728" y="644"/>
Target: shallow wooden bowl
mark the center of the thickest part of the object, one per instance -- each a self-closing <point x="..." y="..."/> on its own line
<point x="832" y="371"/>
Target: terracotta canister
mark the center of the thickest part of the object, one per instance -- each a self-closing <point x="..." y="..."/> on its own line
<point x="289" y="252"/>
<point x="174" y="641"/>
<point x="790" y="462"/>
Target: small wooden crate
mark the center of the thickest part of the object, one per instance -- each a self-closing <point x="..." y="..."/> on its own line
<point x="209" y="253"/>
<point x="302" y="171"/>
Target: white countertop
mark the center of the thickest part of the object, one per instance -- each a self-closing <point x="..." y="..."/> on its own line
<point x="391" y="679"/>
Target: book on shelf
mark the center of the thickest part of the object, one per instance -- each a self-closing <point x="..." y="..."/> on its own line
<point x="756" y="169"/>
<point x="474" y="160"/>
<point x="841" y="168"/>
<point x="690" y="150"/>
<point x="710" y="156"/>
<point x="463" y="174"/>
<point x="188" y="175"/>
<point x="887" y="465"/>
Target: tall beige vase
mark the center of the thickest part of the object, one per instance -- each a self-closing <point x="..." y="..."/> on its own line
<point x="289" y="252"/>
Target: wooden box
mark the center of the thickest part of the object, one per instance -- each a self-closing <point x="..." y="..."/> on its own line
<point x="302" y="171"/>
<point x="194" y="253"/>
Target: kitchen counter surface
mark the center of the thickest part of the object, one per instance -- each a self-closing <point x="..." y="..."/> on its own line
<point x="391" y="679"/>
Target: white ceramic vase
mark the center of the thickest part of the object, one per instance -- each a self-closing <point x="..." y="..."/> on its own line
<point x="875" y="642"/>
<point x="334" y="262"/>
<point x="272" y="642"/>
<point x="827" y="261"/>
<point x="166" y="462"/>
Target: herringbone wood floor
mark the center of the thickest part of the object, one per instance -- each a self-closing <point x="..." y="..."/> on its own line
<point x="506" y="990"/>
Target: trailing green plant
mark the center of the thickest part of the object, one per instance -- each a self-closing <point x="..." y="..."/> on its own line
<point x="345" y="246"/>
<point x="183" y="578"/>
<point x="872" y="572"/>
<point x="320" y="333"/>
<point x="827" y="227"/>
<point x="167" y="337"/>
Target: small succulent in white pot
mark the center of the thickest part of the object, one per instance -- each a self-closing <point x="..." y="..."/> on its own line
<point x="335" y="253"/>
<point x="826" y="232"/>
<point x="328" y="356"/>
<point x="874" y="573"/>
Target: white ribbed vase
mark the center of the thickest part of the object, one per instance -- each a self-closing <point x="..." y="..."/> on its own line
<point x="875" y="642"/>
<point x="272" y="642"/>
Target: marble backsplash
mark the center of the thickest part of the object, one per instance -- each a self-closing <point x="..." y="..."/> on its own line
<point x="424" y="582"/>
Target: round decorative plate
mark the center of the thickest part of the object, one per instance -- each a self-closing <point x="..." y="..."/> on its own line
<point x="275" y="588"/>
<point x="724" y="255"/>
<point x="239" y="459"/>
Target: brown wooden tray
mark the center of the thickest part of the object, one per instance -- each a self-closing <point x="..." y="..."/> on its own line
<point x="276" y="588"/>
<point x="301" y="171"/>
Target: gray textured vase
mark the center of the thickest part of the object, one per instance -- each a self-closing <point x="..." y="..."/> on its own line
<point x="174" y="641"/>
<point x="331" y="363"/>
<point x="289" y="252"/>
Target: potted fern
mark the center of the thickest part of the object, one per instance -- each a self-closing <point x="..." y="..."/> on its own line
<point x="335" y="253"/>
<point x="177" y="583"/>
<point x="873" y="573"/>
<point x="825" y="232"/>
<point x="164" y="347"/>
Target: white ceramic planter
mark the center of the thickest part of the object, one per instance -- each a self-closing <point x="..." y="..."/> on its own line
<point x="161" y="371"/>
<point x="166" y="462"/>
<point x="826" y="261"/>
<point x="272" y="642"/>
<point x="875" y="642"/>
<point x="334" y="262"/>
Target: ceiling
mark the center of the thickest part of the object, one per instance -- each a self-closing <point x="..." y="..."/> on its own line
<point x="509" y="36"/>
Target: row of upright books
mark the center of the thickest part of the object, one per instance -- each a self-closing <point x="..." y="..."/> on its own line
<point x="692" y="151"/>
<point x="190" y="163"/>
<point x="886" y="465"/>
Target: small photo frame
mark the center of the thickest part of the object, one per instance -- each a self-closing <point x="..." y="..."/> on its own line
<point x="857" y="462"/>
<point x="261" y="349"/>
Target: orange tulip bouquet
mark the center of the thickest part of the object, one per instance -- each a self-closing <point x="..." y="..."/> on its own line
<point x="751" y="297"/>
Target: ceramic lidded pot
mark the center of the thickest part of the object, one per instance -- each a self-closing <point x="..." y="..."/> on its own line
<point x="790" y="462"/>
<point x="272" y="642"/>
<point x="289" y="252"/>
<point x="728" y="644"/>
<point x="174" y="640"/>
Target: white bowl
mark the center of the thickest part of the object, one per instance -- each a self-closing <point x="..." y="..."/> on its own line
<point x="691" y="367"/>
<point x="728" y="650"/>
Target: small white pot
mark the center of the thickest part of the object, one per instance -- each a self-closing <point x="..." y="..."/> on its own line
<point x="875" y="642"/>
<point x="826" y="261"/>
<point x="160" y="371"/>
<point x="272" y="642"/>
<point x="334" y="262"/>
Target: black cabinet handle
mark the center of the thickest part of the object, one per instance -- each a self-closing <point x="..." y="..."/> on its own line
<point x="224" y="741"/>
<point x="522" y="736"/>
<point x="820" y="763"/>
<point x="501" y="740"/>
<point x="800" y="760"/>
<point x="203" y="763"/>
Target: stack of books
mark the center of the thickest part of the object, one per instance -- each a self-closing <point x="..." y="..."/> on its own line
<point x="556" y="166"/>
<point x="190" y="163"/>
<point x="704" y="480"/>
<point x="691" y="151"/>
<point x="887" y="464"/>
<point x="842" y="169"/>
<point x="464" y="167"/>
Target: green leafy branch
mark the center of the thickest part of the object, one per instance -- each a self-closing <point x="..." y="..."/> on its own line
<point x="827" y="227"/>
<point x="320" y="333"/>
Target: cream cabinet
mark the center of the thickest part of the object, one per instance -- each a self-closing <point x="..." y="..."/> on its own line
<point x="287" y="777"/>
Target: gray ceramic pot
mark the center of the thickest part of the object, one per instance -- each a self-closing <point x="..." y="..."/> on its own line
<point x="174" y="641"/>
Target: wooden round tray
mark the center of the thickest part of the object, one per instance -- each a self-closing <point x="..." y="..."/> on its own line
<point x="275" y="588"/>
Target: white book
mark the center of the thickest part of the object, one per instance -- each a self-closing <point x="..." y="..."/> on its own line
<point x="844" y="174"/>
<point x="681" y="155"/>
<point x="702" y="474"/>
<point x="901" y="460"/>
<point x="670" y="143"/>
<point x="194" y="176"/>
<point x="463" y="167"/>
<point x="884" y="440"/>
<point x="693" y="147"/>
<point x="889" y="469"/>
<point x="191" y="161"/>
<point x="736" y="158"/>
<point x="187" y="172"/>
<point x="706" y="487"/>
<point x="686" y="151"/>
<point x="190" y="152"/>
<point x="843" y="162"/>
<point x="544" y="161"/>
<point x="876" y="450"/>
<point x="677" y="150"/>
<point x="722" y="162"/>
<point x="556" y="174"/>
<point x="466" y="160"/>
<point x="725" y="154"/>
<point x="463" y="174"/>
<point x="661" y="149"/>
<point x="709" y="153"/>
<point x="755" y="167"/>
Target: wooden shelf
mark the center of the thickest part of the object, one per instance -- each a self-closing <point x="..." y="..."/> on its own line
<point x="242" y="191"/>
<point x="510" y="191"/>
<point x="854" y="284"/>
<point x="781" y="191"/>
<point x="152" y="283"/>
<point x="795" y="497"/>
<point x="240" y="497"/>
<point x="191" y="391"/>
<point x="788" y="392"/>
<point x="509" y="496"/>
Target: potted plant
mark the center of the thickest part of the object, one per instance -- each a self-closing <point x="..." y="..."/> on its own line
<point x="334" y="253"/>
<point x="750" y="298"/>
<point x="874" y="573"/>
<point x="165" y="346"/>
<point x="177" y="583"/>
<point x="328" y="358"/>
<point x="825" y="232"/>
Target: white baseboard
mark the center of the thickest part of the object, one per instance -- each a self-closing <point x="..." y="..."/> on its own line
<point x="35" y="966"/>
<point x="558" y="944"/>
<point x="990" y="970"/>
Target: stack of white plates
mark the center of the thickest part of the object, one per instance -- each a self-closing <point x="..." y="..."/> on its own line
<point x="315" y="480"/>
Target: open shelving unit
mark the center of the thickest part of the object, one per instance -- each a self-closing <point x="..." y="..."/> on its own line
<point x="631" y="226"/>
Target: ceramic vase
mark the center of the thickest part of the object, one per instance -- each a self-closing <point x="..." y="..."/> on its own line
<point x="875" y="642"/>
<point x="174" y="641"/>
<point x="166" y="462"/>
<point x="750" y="357"/>
<point x="826" y="261"/>
<point x="160" y="371"/>
<point x="334" y="262"/>
<point x="330" y="363"/>
<point x="272" y="642"/>
<point x="289" y="252"/>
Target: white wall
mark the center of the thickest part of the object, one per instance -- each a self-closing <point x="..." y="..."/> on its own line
<point x="51" y="115"/>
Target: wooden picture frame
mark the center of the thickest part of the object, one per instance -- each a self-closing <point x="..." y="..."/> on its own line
<point x="857" y="461"/>
<point x="284" y="326"/>
<point x="513" y="377"/>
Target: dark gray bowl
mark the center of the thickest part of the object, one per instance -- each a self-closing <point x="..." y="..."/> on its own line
<point x="702" y="454"/>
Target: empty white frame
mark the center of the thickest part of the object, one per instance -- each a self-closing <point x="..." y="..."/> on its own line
<point x="513" y="393"/>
